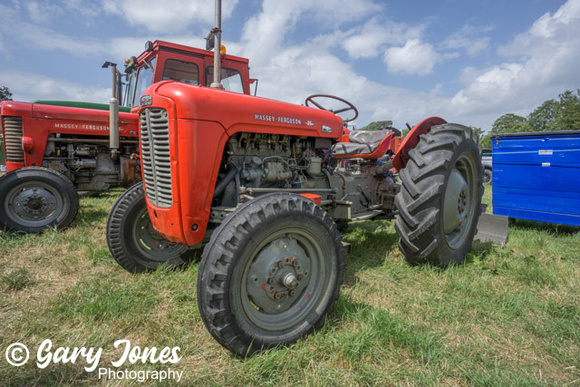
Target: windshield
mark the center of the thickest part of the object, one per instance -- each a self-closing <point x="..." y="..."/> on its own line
<point x="231" y="79"/>
<point x="181" y="71"/>
<point x="138" y="82"/>
<point x="130" y="89"/>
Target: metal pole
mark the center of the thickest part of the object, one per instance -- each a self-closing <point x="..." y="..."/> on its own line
<point x="217" y="62"/>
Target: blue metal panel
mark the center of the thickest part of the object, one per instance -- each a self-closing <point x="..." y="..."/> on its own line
<point x="536" y="176"/>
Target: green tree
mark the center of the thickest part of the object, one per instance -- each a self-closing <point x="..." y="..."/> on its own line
<point x="510" y="123"/>
<point x="378" y="125"/>
<point x="485" y="141"/>
<point x="5" y="94"/>
<point x="567" y="112"/>
<point x="541" y="118"/>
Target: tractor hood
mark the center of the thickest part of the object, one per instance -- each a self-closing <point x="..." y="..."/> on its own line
<point x="238" y="112"/>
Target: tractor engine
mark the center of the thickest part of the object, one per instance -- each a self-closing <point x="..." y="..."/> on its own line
<point x="255" y="163"/>
<point x="88" y="164"/>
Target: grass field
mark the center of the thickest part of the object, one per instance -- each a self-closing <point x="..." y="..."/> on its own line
<point x="508" y="316"/>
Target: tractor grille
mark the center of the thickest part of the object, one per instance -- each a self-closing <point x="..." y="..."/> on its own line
<point x="155" y="153"/>
<point x="13" y="139"/>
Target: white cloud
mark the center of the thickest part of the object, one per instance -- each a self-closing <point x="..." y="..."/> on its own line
<point x="27" y="86"/>
<point x="367" y="41"/>
<point x="546" y="58"/>
<point x="414" y="57"/>
<point x="23" y="33"/>
<point x="469" y="39"/>
<point x="41" y="11"/>
<point x="167" y="16"/>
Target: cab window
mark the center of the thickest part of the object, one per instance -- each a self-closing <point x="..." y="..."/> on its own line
<point x="180" y="71"/>
<point x="231" y="79"/>
<point x="144" y="80"/>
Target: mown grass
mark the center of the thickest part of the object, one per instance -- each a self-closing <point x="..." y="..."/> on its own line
<point x="509" y="316"/>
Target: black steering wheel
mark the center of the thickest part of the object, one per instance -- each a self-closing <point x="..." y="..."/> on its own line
<point x="349" y="106"/>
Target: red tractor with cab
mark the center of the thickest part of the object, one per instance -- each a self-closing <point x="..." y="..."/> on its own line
<point x="58" y="149"/>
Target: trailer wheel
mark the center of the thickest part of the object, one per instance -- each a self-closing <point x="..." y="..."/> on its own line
<point x="440" y="198"/>
<point x="270" y="273"/>
<point x="33" y="199"/>
<point x="132" y="240"/>
<point x="487" y="176"/>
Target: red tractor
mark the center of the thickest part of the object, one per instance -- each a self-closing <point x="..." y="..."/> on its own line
<point x="262" y="184"/>
<point x="56" y="148"/>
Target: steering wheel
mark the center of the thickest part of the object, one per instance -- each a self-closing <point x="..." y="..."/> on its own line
<point x="349" y="106"/>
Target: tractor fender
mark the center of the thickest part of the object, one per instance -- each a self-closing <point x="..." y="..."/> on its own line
<point x="412" y="138"/>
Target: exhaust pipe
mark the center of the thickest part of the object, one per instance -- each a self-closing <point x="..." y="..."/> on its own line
<point x="216" y="33"/>
<point x="114" y="113"/>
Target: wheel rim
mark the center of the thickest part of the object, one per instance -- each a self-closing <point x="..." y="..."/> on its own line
<point x="34" y="204"/>
<point x="486" y="177"/>
<point x="150" y="243"/>
<point x="283" y="279"/>
<point x="459" y="207"/>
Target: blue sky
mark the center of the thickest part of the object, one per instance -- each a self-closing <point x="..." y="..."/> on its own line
<point x="466" y="61"/>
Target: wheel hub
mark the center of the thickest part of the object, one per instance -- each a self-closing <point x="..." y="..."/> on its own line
<point x="34" y="203"/>
<point x="456" y="201"/>
<point x="278" y="275"/>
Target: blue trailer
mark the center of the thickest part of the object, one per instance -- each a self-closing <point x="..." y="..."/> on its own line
<point x="536" y="176"/>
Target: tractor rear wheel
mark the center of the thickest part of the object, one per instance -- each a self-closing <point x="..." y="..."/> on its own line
<point x="33" y="199"/>
<point x="132" y="240"/>
<point x="440" y="198"/>
<point x="270" y="273"/>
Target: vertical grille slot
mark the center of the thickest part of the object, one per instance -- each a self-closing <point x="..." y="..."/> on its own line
<point x="155" y="154"/>
<point x="13" y="139"/>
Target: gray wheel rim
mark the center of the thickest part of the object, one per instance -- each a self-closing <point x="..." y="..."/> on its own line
<point x="283" y="280"/>
<point x="487" y="176"/>
<point x="34" y="204"/>
<point x="459" y="201"/>
<point x="150" y="243"/>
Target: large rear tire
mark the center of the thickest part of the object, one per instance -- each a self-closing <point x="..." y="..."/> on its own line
<point x="440" y="198"/>
<point x="270" y="273"/>
<point x="33" y="199"/>
<point x="132" y="240"/>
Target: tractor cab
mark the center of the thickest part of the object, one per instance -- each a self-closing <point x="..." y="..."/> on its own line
<point x="165" y="61"/>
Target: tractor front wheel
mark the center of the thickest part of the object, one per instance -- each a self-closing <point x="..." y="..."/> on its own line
<point x="440" y="198"/>
<point x="270" y="273"/>
<point x="132" y="240"/>
<point x="33" y="199"/>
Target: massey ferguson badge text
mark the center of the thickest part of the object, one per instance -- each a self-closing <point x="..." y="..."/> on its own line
<point x="92" y="356"/>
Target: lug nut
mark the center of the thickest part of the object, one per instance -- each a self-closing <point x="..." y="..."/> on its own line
<point x="280" y="264"/>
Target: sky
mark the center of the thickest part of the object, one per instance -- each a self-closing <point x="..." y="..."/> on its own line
<point x="466" y="61"/>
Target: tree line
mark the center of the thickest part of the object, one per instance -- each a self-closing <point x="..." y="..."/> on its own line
<point x="552" y="115"/>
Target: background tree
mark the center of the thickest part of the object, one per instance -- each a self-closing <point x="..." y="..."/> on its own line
<point x="567" y="112"/>
<point x="540" y="118"/>
<point x="510" y="123"/>
<point x="485" y="141"/>
<point x="5" y="94"/>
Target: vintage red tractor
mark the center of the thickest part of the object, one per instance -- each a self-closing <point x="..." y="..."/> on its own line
<point x="56" y="148"/>
<point x="261" y="185"/>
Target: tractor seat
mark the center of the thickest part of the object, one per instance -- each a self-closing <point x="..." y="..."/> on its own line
<point x="366" y="144"/>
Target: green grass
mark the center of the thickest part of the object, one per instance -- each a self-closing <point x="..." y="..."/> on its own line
<point x="508" y="316"/>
